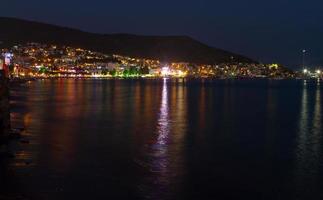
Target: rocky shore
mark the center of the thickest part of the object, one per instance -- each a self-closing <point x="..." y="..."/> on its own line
<point x="4" y="107"/>
<point x="7" y="134"/>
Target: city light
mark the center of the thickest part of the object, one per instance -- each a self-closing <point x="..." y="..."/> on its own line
<point x="318" y="71"/>
<point x="180" y="73"/>
<point x="8" y="57"/>
<point x="305" y="71"/>
<point x="39" y="60"/>
<point x="165" y="71"/>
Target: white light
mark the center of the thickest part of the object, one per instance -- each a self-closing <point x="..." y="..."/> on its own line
<point x="8" y="55"/>
<point x="165" y="71"/>
<point x="305" y="71"/>
<point x="318" y="71"/>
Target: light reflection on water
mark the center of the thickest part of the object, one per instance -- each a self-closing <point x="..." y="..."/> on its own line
<point x="163" y="120"/>
<point x="309" y="142"/>
<point x="160" y="158"/>
<point x="166" y="139"/>
<point x="163" y="160"/>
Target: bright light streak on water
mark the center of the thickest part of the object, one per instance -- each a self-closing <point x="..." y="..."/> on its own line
<point x="309" y="144"/>
<point x="163" y="121"/>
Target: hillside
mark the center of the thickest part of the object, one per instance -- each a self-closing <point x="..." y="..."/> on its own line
<point x="164" y="48"/>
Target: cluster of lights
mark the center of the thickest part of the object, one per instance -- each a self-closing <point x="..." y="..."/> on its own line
<point x="166" y="71"/>
<point x="80" y="63"/>
<point x="305" y="71"/>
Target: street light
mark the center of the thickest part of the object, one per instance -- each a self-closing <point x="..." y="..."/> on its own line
<point x="305" y="71"/>
<point x="318" y="71"/>
<point x="304" y="52"/>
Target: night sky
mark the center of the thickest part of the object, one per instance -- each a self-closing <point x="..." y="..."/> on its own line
<point x="265" y="30"/>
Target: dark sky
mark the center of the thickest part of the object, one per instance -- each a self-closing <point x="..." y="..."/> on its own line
<point x="266" y="30"/>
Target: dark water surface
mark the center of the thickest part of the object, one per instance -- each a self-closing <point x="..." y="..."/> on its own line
<point x="167" y="139"/>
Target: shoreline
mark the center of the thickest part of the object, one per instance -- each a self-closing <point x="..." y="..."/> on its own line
<point x="19" y="81"/>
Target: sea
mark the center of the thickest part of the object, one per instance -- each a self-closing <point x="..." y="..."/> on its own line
<point x="165" y="139"/>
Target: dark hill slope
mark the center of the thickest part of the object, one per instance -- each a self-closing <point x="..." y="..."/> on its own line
<point x="165" y="48"/>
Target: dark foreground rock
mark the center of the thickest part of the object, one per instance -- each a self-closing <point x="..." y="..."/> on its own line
<point x="4" y="107"/>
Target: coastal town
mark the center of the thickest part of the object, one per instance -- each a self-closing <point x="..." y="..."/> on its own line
<point x="161" y="100"/>
<point x="34" y="60"/>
